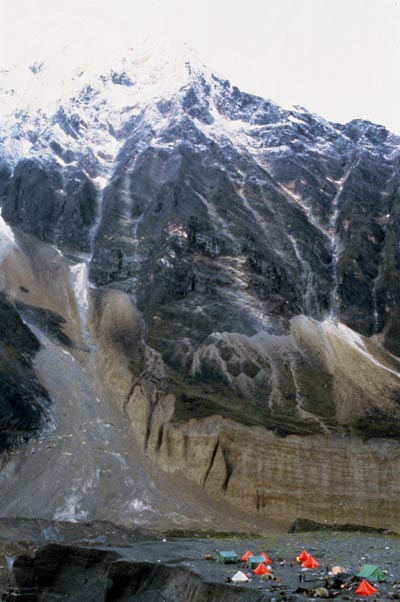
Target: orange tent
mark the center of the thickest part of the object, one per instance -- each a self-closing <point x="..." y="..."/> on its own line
<point x="303" y="556"/>
<point x="266" y="558"/>
<point x="365" y="589"/>
<point x="310" y="563"/>
<point x="247" y="555"/>
<point x="261" y="569"/>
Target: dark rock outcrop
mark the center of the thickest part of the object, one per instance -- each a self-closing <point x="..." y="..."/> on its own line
<point x="23" y="400"/>
<point x="304" y="525"/>
<point x="5" y="178"/>
<point x="56" y="207"/>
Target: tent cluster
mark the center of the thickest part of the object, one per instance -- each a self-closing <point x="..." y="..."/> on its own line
<point x="335" y="579"/>
<point x="307" y="561"/>
<point x="261" y="565"/>
<point x="369" y="572"/>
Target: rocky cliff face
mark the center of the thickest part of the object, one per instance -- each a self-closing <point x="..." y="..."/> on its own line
<point x="23" y="401"/>
<point x="234" y="269"/>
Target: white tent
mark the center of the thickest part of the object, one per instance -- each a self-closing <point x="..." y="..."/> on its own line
<point x="239" y="577"/>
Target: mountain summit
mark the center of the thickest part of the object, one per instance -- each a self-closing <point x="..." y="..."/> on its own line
<point x="220" y="273"/>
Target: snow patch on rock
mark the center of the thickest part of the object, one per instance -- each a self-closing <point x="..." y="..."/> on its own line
<point x="7" y="239"/>
<point x="80" y="283"/>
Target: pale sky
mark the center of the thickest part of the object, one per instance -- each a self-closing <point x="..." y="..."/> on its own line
<point x="338" y="58"/>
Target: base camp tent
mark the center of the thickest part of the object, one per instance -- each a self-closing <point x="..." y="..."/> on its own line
<point x="227" y="556"/>
<point x="372" y="572"/>
<point x="365" y="589"/>
<point x="261" y="569"/>
<point x="254" y="561"/>
<point x="303" y="556"/>
<point x="267" y="559"/>
<point x="310" y="563"/>
<point x="239" y="577"/>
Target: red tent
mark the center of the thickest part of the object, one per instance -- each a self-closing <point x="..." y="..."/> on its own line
<point x="303" y="556"/>
<point x="266" y="558"/>
<point x="261" y="569"/>
<point x="365" y="589"/>
<point x="247" y="555"/>
<point x="310" y="563"/>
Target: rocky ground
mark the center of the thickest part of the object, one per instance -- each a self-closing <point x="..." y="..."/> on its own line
<point x="100" y="562"/>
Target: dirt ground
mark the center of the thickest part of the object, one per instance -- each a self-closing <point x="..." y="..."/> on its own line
<point x="350" y="550"/>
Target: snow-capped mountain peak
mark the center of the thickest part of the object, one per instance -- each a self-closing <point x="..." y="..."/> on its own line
<point x="96" y="95"/>
<point x="158" y="68"/>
